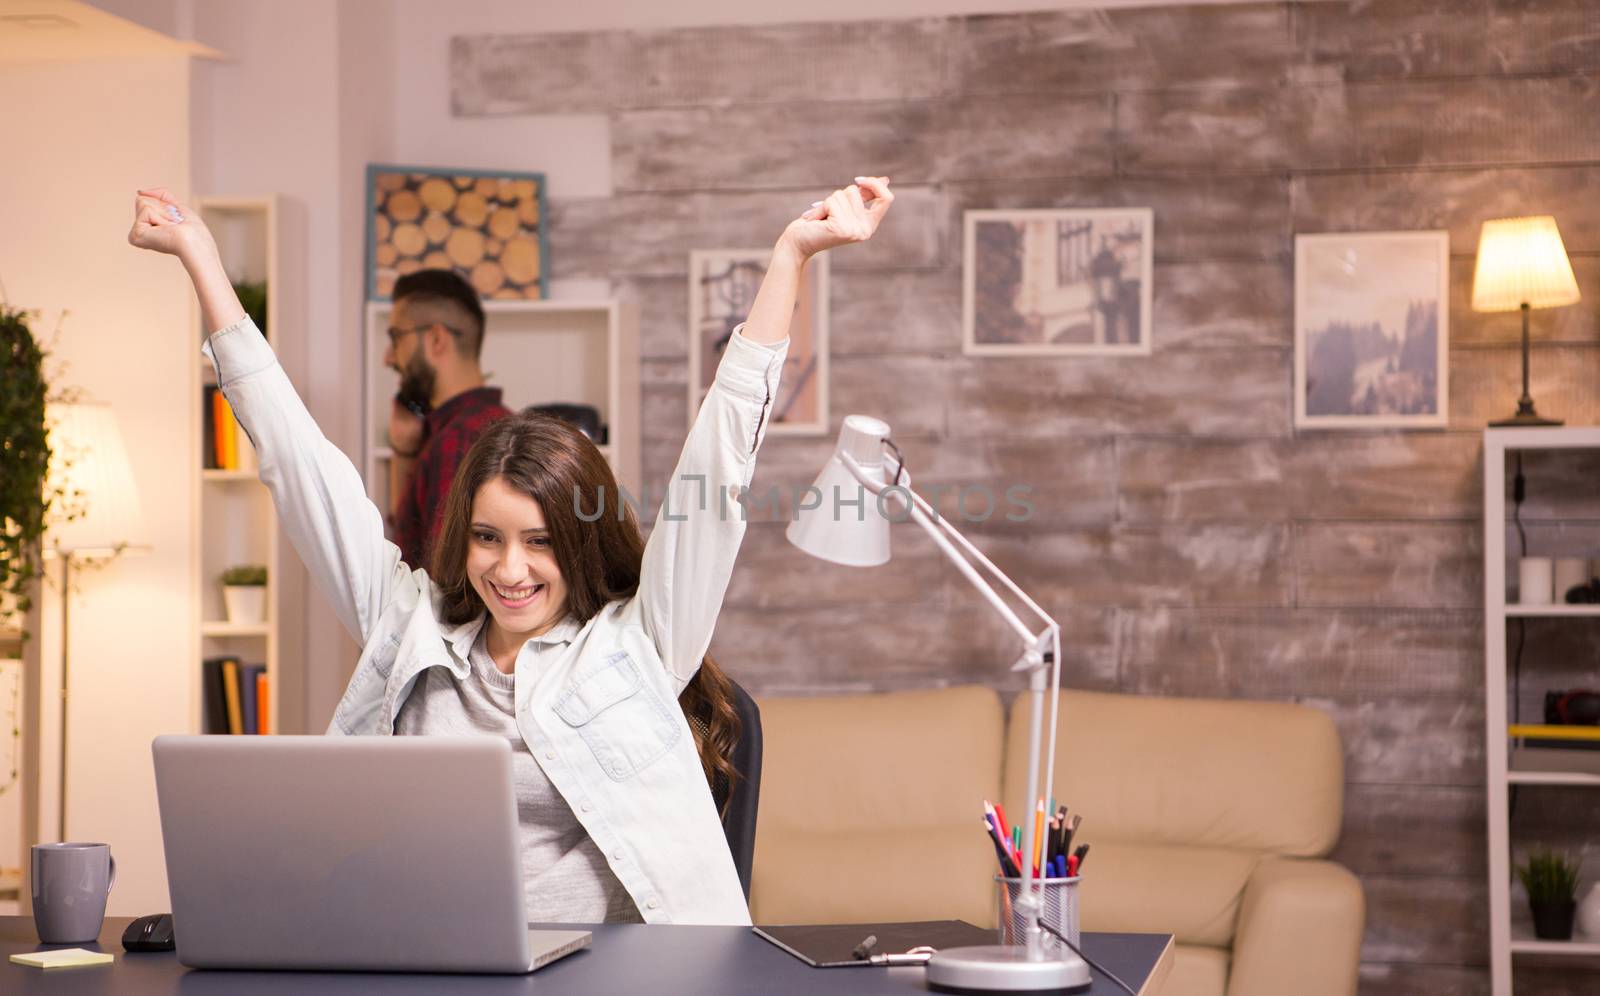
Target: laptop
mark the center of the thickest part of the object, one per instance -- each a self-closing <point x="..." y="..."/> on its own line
<point x="371" y="854"/>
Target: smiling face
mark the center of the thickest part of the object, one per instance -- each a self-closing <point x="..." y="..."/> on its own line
<point x="510" y="561"/>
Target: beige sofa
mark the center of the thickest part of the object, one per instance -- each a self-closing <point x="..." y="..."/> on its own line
<point x="1205" y="819"/>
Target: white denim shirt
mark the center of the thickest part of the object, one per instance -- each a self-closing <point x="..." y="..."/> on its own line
<point x="603" y="721"/>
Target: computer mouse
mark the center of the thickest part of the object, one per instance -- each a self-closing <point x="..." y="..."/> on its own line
<point x="149" y="933"/>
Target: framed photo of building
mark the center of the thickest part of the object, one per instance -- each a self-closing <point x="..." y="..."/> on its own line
<point x="1057" y="282"/>
<point x="488" y="226"/>
<point x="1371" y="330"/>
<point x="722" y="287"/>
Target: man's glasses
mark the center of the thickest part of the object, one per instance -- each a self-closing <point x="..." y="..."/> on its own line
<point x="396" y="333"/>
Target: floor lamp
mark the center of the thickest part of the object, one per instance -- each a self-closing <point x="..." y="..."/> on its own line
<point x="865" y="463"/>
<point x="1522" y="265"/>
<point x="95" y="515"/>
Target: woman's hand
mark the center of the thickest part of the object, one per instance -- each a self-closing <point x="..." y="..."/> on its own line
<point x="848" y="215"/>
<point x="161" y="224"/>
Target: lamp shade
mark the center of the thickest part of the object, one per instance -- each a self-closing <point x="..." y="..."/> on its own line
<point x="1522" y="261"/>
<point x="97" y="506"/>
<point x="846" y="525"/>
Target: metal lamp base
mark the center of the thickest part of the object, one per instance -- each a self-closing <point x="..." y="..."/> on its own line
<point x="1006" y="969"/>
<point x="1525" y="419"/>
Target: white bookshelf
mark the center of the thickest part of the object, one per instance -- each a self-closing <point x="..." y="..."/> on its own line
<point x="536" y="352"/>
<point x="235" y="521"/>
<point x="1510" y="930"/>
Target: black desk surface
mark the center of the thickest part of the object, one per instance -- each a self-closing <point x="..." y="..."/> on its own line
<point x="623" y="958"/>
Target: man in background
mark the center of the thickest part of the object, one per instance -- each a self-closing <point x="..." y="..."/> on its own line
<point x="435" y="340"/>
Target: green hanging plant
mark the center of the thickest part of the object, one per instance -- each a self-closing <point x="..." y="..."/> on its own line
<point x="24" y="462"/>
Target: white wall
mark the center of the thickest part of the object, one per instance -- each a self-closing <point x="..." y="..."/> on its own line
<point x="82" y="138"/>
<point x="296" y="109"/>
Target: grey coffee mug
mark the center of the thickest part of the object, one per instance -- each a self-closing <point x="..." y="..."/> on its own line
<point x="70" y="886"/>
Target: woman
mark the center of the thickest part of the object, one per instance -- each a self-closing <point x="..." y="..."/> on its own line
<point x="539" y="621"/>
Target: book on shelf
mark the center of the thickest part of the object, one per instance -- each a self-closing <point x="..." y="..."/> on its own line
<point x="263" y="705"/>
<point x="248" y="673"/>
<point x="1555" y="736"/>
<point x="224" y="446"/>
<point x="230" y="689"/>
<point x="208" y="429"/>
<point x="235" y="696"/>
<point x="216" y="701"/>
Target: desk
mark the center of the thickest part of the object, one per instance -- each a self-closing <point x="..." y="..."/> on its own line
<point x="624" y="958"/>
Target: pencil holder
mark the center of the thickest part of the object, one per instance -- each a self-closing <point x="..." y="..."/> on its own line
<point x="1058" y="898"/>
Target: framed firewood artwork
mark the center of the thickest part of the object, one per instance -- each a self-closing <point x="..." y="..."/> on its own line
<point x="487" y="226"/>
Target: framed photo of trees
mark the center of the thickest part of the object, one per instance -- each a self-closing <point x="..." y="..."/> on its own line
<point x="1371" y="330"/>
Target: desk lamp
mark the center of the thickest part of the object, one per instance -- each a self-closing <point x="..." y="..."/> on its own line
<point x="866" y="463"/>
<point x="1522" y="265"/>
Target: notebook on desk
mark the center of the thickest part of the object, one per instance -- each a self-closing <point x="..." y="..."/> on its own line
<point x="386" y="854"/>
<point x="832" y="945"/>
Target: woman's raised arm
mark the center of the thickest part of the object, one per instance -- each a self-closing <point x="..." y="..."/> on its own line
<point x="316" y="490"/>
<point x="689" y="558"/>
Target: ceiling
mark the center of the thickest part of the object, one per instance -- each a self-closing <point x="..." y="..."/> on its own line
<point x="67" y="30"/>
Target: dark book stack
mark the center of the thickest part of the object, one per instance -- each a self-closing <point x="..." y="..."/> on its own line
<point x="235" y="696"/>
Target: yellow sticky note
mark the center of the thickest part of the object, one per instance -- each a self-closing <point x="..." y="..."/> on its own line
<point x="63" y="958"/>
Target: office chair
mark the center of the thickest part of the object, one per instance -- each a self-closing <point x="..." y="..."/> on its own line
<point x="739" y="813"/>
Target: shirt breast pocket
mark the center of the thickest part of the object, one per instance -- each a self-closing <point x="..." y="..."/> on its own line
<point x="623" y="720"/>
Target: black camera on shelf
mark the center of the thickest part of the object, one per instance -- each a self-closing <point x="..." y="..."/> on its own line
<point x="1579" y="707"/>
<point x="586" y="418"/>
<point x="1587" y="593"/>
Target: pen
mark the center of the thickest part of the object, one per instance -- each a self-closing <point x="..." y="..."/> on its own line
<point x="1038" y="836"/>
<point x="1072" y="866"/>
<point x="1081" y="854"/>
<point x="1006" y="867"/>
<point x="916" y="956"/>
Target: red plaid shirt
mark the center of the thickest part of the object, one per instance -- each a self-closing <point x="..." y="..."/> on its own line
<point x="449" y="431"/>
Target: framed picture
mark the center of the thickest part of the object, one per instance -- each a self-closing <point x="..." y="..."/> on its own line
<point x="722" y="287"/>
<point x="1371" y="330"/>
<point x="1057" y="282"/>
<point x="487" y="226"/>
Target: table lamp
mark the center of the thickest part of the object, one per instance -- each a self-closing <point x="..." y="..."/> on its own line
<point x="866" y="476"/>
<point x="95" y="513"/>
<point x="1522" y="264"/>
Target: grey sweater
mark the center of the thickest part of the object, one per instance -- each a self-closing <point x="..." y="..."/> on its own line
<point x="564" y="875"/>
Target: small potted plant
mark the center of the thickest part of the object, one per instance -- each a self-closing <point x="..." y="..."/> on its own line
<point x="244" y="593"/>
<point x="1552" y="883"/>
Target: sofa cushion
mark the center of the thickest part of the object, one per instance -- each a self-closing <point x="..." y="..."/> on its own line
<point x="872" y="876"/>
<point x="1197" y="971"/>
<point x="861" y="795"/>
<point x="1247" y="776"/>
<point x="1192" y="893"/>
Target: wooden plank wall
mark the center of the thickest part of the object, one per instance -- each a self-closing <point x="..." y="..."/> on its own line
<point x="1192" y="542"/>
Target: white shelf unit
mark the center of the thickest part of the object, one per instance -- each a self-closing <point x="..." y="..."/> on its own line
<point x="537" y="352"/>
<point x="236" y="523"/>
<point x="1510" y="931"/>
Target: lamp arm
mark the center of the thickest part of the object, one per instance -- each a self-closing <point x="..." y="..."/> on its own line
<point x="1033" y="660"/>
<point x="976" y="554"/>
<point x="1030" y="639"/>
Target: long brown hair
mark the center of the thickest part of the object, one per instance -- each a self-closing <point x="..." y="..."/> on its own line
<point x="557" y="466"/>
